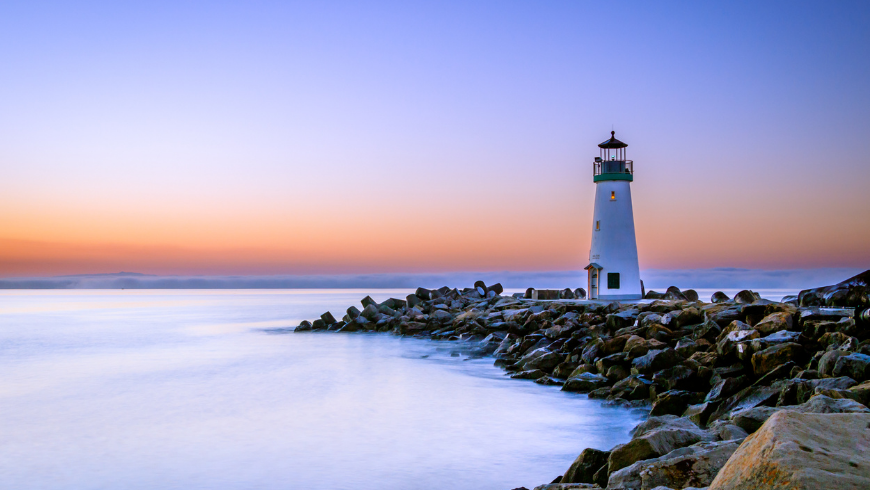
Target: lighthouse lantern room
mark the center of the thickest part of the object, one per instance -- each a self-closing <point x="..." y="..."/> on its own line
<point x="613" y="271"/>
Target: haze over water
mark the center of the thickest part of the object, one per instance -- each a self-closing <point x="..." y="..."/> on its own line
<point x="207" y="389"/>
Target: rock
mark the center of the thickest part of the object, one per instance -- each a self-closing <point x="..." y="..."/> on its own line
<point x="497" y="288"/>
<point x="746" y="297"/>
<point x="829" y="360"/>
<point x="851" y="292"/>
<point x="546" y="362"/>
<point x="654" y="437"/>
<point x="724" y="388"/>
<point x="548" y="381"/>
<point x="691" y="294"/>
<point x="635" y="346"/>
<point x="752" y="419"/>
<point x="695" y="466"/>
<point x="584" y="382"/>
<point x="688" y="316"/>
<point x="304" y="326"/>
<point x="855" y="366"/>
<point x="719" y="297"/>
<point x="368" y="301"/>
<point x="583" y="468"/>
<point x="824" y="404"/>
<point x="735" y="333"/>
<point x="529" y="374"/>
<point x="862" y="392"/>
<point x="622" y="319"/>
<point x="679" y="377"/>
<point x="700" y="413"/>
<point x="730" y="432"/>
<point x="655" y="360"/>
<point x="774" y="323"/>
<point x="708" y="331"/>
<point x="753" y="396"/>
<point x="674" y="402"/>
<point x="802" y="451"/>
<point x="370" y="312"/>
<point x="685" y="348"/>
<point x="634" y="387"/>
<point x="353" y="312"/>
<point x="568" y="486"/>
<point x="327" y="318"/>
<point x="480" y="287"/>
<point x="764" y="361"/>
<point x="440" y="316"/>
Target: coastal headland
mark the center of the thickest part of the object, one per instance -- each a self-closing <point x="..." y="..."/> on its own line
<point x="743" y="392"/>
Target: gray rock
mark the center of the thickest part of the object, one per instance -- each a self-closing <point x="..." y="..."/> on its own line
<point x="304" y="326"/>
<point x="656" y="360"/>
<point x="370" y="312"/>
<point x="695" y="465"/>
<point x="327" y="318"/>
<point x="856" y="366"/>
<point x="584" y="382"/>
<point x="568" y="486"/>
<point x="719" y="297"/>
<point x="655" y="437"/>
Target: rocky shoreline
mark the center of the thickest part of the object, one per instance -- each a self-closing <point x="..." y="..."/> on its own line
<point x="743" y="392"/>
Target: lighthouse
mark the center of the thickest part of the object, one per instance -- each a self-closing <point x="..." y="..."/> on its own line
<point x="613" y="271"/>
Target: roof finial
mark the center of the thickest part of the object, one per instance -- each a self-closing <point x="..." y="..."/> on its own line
<point x="613" y="134"/>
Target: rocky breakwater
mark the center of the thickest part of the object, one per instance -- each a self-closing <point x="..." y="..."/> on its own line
<point x="712" y="374"/>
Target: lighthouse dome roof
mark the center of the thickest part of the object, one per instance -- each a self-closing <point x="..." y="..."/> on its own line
<point x="612" y="142"/>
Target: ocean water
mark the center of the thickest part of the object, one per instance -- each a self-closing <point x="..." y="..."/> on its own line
<point x="145" y="389"/>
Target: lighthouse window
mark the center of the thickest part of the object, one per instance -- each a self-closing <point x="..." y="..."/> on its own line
<point x="612" y="195"/>
<point x="597" y="225"/>
<point x="613" y="280"/>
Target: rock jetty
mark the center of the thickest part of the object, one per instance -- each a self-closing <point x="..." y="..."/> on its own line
<point x="743" y="392"/>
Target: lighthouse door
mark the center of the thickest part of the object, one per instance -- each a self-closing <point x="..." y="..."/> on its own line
<point x="594" y="279"/>
<point x="593" y="283"/>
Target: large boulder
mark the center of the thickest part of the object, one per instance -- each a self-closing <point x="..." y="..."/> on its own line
<point x="851" y="292"/>
<point x="692" y="466"/>
<point x="655" y="437"/>
<point x="583" y="468"/>
<point x="855" y="366"/>
<point x="584" y="382"/>
<point x="764" y="361"/>
<point x="719" y="297"/>
<point x="674" y="402"/>
<point x="774" y="323"/>
<point x="802" y="451"/>
<point x="655" y="360"/>
<point x="546" y="362"/>
<point x="752" y="419"/>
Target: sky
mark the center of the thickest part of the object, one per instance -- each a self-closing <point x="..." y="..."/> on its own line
<point x="282" y="138"/>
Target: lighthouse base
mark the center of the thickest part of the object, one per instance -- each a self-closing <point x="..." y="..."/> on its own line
<point x="619" y="297"/>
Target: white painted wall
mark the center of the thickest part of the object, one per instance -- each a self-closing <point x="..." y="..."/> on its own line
<point x="614" y="246"/>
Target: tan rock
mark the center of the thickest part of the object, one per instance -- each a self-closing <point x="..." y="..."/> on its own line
<point x="802" y="452"/>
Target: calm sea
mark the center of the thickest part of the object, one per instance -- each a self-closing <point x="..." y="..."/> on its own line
<point x="146" y="389"/>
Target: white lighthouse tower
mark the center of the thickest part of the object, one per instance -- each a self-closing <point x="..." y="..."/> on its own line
<point x="613" y="267"/>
